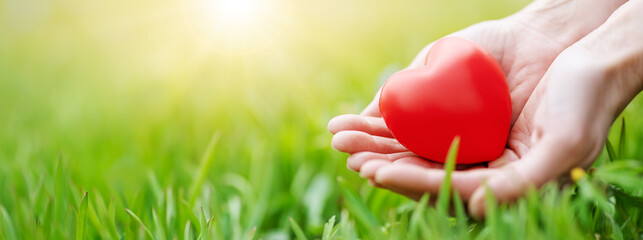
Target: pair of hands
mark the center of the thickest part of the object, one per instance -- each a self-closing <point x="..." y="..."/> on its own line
<point x="571" y="67"/>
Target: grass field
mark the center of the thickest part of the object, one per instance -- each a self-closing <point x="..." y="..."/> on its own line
<point x="152" y="120"/>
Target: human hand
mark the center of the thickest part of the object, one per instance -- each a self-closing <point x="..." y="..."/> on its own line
<point x="379" y="157"/>
<point x="572" y="109"/>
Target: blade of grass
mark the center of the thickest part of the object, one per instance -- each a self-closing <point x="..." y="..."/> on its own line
<point x="418" y="220"/>
<point x="460" y="217"/>
<point x="81" y="218"/>
<point x="210" y="221"/>
<point x="204" y="167"/>
<point x="617" y="233"/>
<point x="335" y="231"/>
<point x="358" y="208"/>
<point x="7" y="225"/>
<point x="92" y="217"/>
<point x="449" y="166"/>
<point x="160" y="233"/>
<point x="347" y="226"/>
<point x="610" y="150"/>
<point x="186" y="209"/>
<point x="170" y="208"/>
<point x="491" y="214"/>
<point x="594" y="194"/>
<point x="203" y="222"/>
<point x="328" y="228"/>
<point x="97" y="214"/>
<point x="111" y="215"/>
<point x="147" y="230"/>
<point x="621" y="140"/>
<point x="186" y="232"/>
<point x="155" y="187"/>
<point x="295" y="228"/>
<point x="251" y="234"/>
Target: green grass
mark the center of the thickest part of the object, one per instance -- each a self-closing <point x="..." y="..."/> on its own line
<point x="116" y="122"/>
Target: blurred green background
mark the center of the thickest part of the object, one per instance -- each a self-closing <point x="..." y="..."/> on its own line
<point x="122" y="87"/>
<point x="121" y="99"/>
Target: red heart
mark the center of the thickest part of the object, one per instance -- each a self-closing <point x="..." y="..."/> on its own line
<point x="460" y="92"/>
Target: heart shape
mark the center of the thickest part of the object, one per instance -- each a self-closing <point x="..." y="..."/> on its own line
<point x="461" y="91"/>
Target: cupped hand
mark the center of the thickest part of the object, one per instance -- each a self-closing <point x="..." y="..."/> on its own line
<point x="369" y="141"/>
<point x="569" y="115"/>
<point x="525" y="53"/>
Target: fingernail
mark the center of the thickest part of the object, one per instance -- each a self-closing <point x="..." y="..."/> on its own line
<point x="369" y="168"/>
<point x="338" y="142"/>
<point x="477" y="203"/>
<point x="331" y="124"/>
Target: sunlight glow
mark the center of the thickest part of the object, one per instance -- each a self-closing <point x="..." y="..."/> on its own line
<point x="235" y="13"/>
<point x="235" y="24"/>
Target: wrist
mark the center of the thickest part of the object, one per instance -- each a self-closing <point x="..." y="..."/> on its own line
<point x="566" y="21"/>
<point x="616" y="50"/>
<point x="613" y="79"/>
<point x="589" y="84"/>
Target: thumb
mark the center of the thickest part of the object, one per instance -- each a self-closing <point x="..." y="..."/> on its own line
<point x="550" y="158"/>
<point x="373" y="108"/>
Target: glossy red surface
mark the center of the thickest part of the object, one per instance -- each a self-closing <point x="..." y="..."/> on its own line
<point x="462" y="92"/>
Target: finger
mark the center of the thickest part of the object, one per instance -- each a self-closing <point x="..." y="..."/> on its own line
<point x="356" y="160"/>
<point x="550" y="158"/>
<point x="507" y="157"/>
<point x="422" y="162"/>
<point x="369" y="168"/>
<point x="371" y="125"/>
<point x="374" y="184"/>
<point x="419" y="161"/>
<point x="356" y="141"/>
<point x="410" y="178"/>
<point x="420" y="58"/>
<point x="373" y="108"/>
